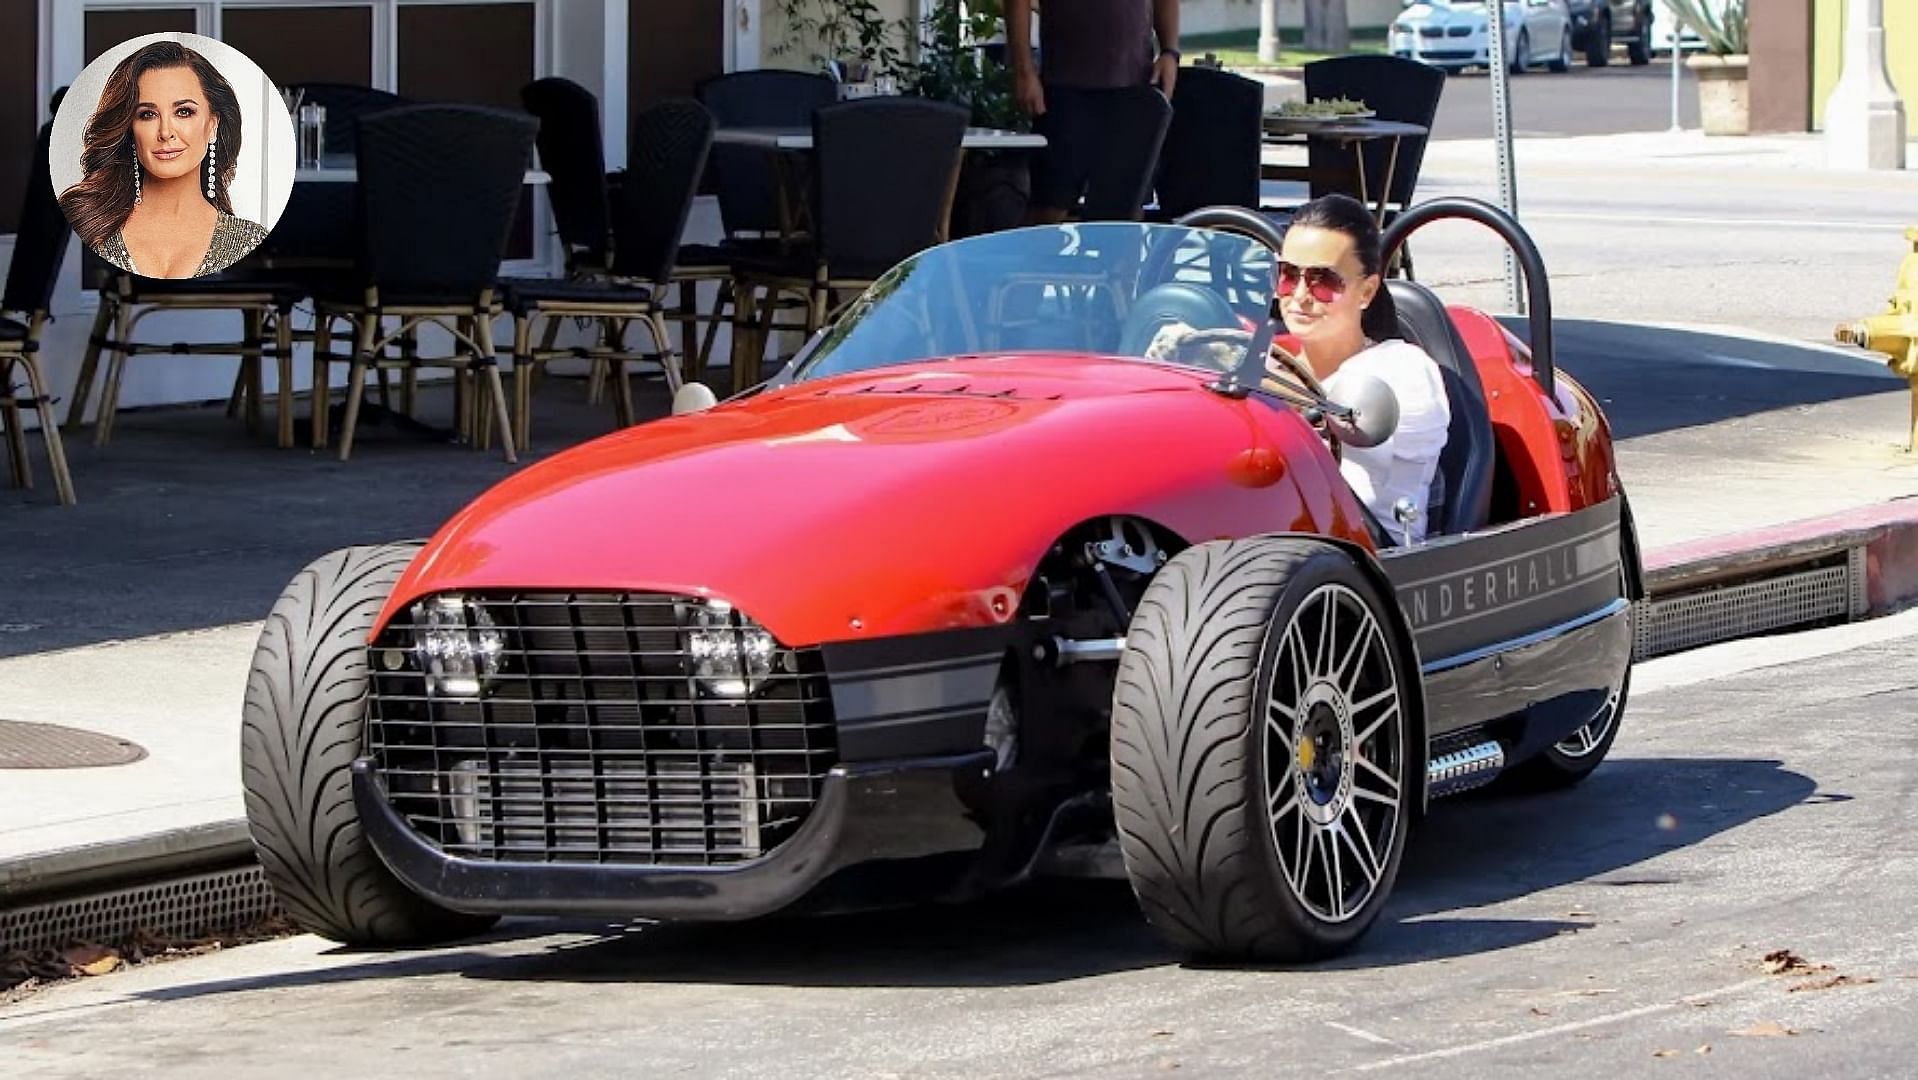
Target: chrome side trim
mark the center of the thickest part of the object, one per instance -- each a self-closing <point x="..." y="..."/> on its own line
<point x="1534" y="638"/>
<point x="1463" y="769"/>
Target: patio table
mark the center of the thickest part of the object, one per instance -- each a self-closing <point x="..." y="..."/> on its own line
<point x="797" y="137"/>
<point x="340" y="169"/>
<point x="1354" y="133"/>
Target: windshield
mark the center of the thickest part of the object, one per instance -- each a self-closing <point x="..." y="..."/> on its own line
<point x="1163" y="292"/>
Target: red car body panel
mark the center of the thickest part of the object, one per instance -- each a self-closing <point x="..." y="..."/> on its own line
<point x="874" y="504"/>
<point x="1560" y="458"/>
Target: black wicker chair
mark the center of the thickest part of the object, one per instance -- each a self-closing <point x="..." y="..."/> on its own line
<point x="1120" y="176"/>
<point x="570" y="151"/>
<point x="1212" y="149"/>
<point x="757" y="211"/>
<point x="438" y="189"/>
<point x="670" y="145"/>
<point x="39" y="249"/>
<point x="885" y="171"/>
<point x="1395" y="88"/>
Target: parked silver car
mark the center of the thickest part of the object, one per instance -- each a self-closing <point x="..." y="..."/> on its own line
<point x="1455" y="34"/>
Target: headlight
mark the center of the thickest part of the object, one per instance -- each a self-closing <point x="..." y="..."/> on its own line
<point x="459" y="643"/>
<point x="730" y="653"/>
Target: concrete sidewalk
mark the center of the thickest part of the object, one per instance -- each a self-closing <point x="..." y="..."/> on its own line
<point x="135" y="614"/>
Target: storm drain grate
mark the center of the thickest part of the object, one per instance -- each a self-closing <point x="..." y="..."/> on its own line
<point x="186" y="907"/>
<point x="1792" y="599"/>
<point x="25" y="745"/>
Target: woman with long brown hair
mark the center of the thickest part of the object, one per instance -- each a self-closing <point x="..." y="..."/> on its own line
<point x="159" y="153"/>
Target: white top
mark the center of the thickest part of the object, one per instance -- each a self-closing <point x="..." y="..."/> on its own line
<point x="1402" y="466"/>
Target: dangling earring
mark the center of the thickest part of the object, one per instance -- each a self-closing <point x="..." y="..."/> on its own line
<point x="210" y="169"/>
<point x="136" y="179"/>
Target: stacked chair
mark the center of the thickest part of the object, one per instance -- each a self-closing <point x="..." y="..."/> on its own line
<point x="439" y="186"/>
<point x="621" y="275"/>
<point x="885" y="171"/>
<point x="38" y="252"/>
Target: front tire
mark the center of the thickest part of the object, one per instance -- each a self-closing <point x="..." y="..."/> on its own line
<point x="1522" y="53"/>
<point x="1262" y="750"/>
<point x="305" y="722"/>
<point x="1563" y="62"/>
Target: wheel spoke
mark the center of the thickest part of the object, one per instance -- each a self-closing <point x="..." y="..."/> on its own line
<point x="1328" y="635"/>
<point x="1285" y="806"/>
<point x="1372" y="728"/>
<point x="1390" y="802"/>
<point x="1335" y="874"/>
<point x="1295" y="644"/>
<point x="1391" y="785"/>
<point x="1360" y="648"/>
<point x="1361" y="842"/>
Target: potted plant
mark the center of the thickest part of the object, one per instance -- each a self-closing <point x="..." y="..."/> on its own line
<point x="849" y="39"/>
<point x="1724" y="98"/>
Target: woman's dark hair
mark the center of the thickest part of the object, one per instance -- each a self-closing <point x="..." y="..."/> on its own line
<point x="100" y="203"/>
<point x="1344" y="214"/>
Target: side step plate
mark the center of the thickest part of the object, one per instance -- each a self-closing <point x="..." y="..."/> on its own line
<point x="1462" y="770"/>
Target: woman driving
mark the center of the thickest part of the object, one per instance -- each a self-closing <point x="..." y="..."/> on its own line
<point x="160" y="150"/>
<point x="1328" y="279"/>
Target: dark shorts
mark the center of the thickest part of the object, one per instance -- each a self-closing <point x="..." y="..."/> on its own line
<point x="1074" y="123"/>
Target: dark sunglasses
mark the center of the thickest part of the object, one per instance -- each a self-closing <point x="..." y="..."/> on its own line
<point x="1322" y="282"/>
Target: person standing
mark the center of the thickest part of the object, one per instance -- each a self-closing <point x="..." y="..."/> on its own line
<point x="1090" y="50"/>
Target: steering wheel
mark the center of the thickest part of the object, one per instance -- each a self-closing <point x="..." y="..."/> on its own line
<point x="1173" y="302"/>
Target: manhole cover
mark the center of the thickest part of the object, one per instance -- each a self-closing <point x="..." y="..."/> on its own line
<point x="50" y="746"/>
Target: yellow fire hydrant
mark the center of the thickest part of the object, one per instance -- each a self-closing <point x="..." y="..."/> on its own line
<point x="1895" y="332"/>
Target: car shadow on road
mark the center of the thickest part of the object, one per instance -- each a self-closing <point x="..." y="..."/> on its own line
<point x="1472" y="852"/>
<point x="1651" y="379"/>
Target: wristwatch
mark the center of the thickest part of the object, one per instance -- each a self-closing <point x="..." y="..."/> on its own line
<point x="1173" y="53"/>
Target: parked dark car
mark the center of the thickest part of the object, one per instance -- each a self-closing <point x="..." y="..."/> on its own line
<point x="1596" y="24"/>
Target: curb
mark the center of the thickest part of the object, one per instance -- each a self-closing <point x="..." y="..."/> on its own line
<point x="1886" y="532"/>
<point x="95" y="867"/>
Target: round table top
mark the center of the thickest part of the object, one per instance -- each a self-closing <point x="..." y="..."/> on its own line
<point x="1342" y="128"/>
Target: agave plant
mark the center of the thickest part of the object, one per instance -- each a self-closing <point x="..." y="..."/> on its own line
<point x="1722" y="26"/>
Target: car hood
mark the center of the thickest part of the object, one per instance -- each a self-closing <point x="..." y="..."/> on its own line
<point x="1444" y="14"/>
<point x="823" y="486"/>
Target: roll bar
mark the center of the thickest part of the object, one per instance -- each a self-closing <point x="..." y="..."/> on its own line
<point x="1537" y="289"/>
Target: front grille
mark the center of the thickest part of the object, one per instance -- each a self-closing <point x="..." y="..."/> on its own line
<point x="594" y="741"/>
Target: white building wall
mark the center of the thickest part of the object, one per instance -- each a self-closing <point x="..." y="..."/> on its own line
<point x="1224" y="16"/>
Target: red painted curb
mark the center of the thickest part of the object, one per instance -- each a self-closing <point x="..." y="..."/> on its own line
<point x="1887" y="531"/>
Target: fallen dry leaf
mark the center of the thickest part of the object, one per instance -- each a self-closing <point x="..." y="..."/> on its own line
<point x="92" y="959"/>
<point x="1784" y="961"/>
<point x="1705" y="1049"/>
<point x="1579" y="914"/>
<point x="1536" y="1011"/>
<point x="1665" y="1053"/>
<point x="1765" y="1029"/>
<point x="1160" y="1034"/>
<point x="1833" y="983"/>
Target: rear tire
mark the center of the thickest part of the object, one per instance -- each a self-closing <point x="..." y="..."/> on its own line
<point x="1263" y="673"/>
<point x="1639" y="49"/>
<point x="1598" y="46"/>
<point x="304" y="724"/>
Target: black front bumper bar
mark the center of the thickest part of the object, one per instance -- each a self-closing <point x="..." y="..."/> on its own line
<point x="867" y="813"/>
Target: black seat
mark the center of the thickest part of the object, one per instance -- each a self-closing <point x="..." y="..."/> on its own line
<point x="1462" y="491"/>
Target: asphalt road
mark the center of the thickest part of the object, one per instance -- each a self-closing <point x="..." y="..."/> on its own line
<point x="1582" y="101"/>
<point x="1619" y="929"/>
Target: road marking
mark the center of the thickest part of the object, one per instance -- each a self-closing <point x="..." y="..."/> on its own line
<point x="1565" y="1029"/>
<point x="1361" y="1033"/>
<point x="1717" y="223"/>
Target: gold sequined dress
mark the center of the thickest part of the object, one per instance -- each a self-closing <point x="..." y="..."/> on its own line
<point x="234" y="238"/>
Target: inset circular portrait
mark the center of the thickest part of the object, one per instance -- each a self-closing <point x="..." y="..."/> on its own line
<point x="173" y="155"/>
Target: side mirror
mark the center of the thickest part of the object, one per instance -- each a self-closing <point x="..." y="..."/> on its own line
<point x="694" y="397"/>
<point x="1364" y="413"/>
